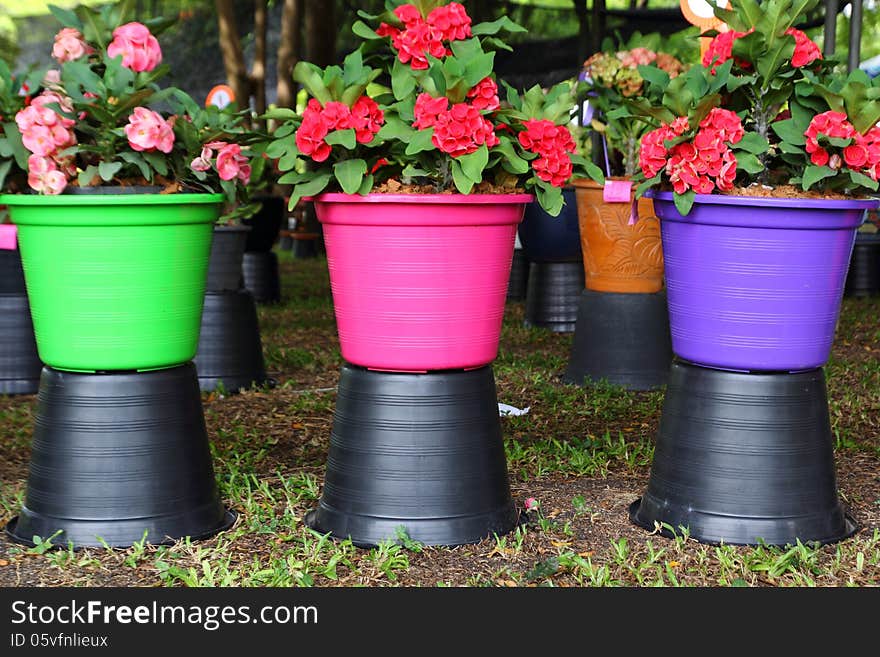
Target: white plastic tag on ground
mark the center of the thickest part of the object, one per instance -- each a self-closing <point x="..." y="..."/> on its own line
<point x="506" y="409"/>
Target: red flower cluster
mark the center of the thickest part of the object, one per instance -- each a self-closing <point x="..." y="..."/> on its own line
<point x="484" y="96"/>
<point x="422" y="37"/>
<point x="461" y="130"/>
<point x="427" y="110"/>
<point x="364" y="117"/>
<point x="553" y="143"/>
<point x="702" y="164"/>
<point x="862" y="154"/>
<point x="805" y="51"/>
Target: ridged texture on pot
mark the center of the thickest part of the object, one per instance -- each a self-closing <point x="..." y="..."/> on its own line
<point x="421" y="451"/>
<point x="230" y="349"/>
<point x="419" y="281"/>
<point x="519" y="276"/>
<point x="115" y="455"/>
<point x="742" y="457"/>
<point x="224" y="265"/>
<point x="11" y="272"/>
<point x="863" y="277"/>
<point x="19" y="363"/>
<point x="553" y="295"/>
<point x="618" y="257"/>
<point x="261" y="276"/>
<point x="755" y="283"/>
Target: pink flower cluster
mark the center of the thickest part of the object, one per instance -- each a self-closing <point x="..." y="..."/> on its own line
<point x="69" y="45"/>
<point x="139" y="48"/>
<point x="364" y="117"/>
<point x="484" y="96"/>
<point x="862" y="154"/>
<point x="636" y="57"/>
<point x="721" y="49"/>
<point x="46" y="133"/>
<point x="461" y="130"/>
<point x="702" y="164"/>
<point x="230" y="163"/>
<point x="553" y="143"/>
<point x="805" y="50"/>
<point x="148" y="131"/>
<point x="426" y="36"/>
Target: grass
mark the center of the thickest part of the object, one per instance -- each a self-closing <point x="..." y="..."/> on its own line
<point x="583" y="453"/>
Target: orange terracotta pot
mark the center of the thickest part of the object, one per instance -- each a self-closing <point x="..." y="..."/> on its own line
<point x="618" y="257"/>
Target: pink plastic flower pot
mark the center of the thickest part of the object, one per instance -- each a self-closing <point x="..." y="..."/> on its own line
<point x="419" y="281"/>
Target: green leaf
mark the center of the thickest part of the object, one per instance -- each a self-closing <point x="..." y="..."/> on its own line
<point x="403" y="81"/>
<point x="512" y="161"/>
<point x="87" y="175"/>
<point x="462" y="183"/>
<point x="749" y="163"/>
<point x="139" y="162"/>
<point x="310" y="77"/>
<point x="472" y="164"/>
<point x="293" y="177"/>
<point x="411" y="171"/>
<point x="503" y="23"/>
<point x="108" y="169"/>
<point x="78" y="76"/>
<point x="364" y="31"/>
<point x="157" y="161"/>
<point x="280" y="146"/>
<point x="66" y="17"/>
<point x="647" y="184"/>
<point x="280" y="114"/>
<point x="310" y="187"/>
<point x="5" y="166"/>
<point x="813" y="174"/>
<point x="366" y="185"/>
<point x="684" y="202"/>
<point x="13" y="140"/>
<point x="859" y="179"/>
<point x="654" y="75"/>
<point x="789" y="131"/>
<point x="550" y="198"/>
<point x="420" y="141"/>
<point x="395" y="129"/>
<point x="753" y="143"/>
<point x="350" y="174"/>
<point x="345" y="138"/>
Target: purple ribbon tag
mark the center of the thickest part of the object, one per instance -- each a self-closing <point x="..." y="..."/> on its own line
<point x="617" y="191"/>
<point x="8" y="237"/>
<point x="634" y="212"/>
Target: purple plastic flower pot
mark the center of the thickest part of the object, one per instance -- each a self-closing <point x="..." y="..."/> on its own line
<point x="754" y="283"/>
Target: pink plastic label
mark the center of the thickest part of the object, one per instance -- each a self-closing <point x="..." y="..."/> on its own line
<point x="617" y="191"/>
<point x="8" y="237"/>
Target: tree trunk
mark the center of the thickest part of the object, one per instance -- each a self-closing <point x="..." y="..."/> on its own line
<point x="288" y="51"/>
<point x="580" y="10"/>
<point x="320" y="32"/>
<point x="233" y="57"/>
<point x="258" y="71"/>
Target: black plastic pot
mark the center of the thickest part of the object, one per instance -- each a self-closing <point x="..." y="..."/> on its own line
<point x="305" y="247"/>
<point x="742" y="457"/>
<point x="553" y="295"/>
<point x="117" y="455"/>
<point x="621" y="338"/>
<point x="11" y="272"/>
<point x="225" y="264"/>
<point x="19" y="363"/>
<point x="230" y="350"/>
<point x="863" y="278"/>
<point x="519" y="277"/>
<point x="422" y="452"/>
<point x="266" y="223"/>
<point x="552" y="239"/>
<point x="261" y="276"/>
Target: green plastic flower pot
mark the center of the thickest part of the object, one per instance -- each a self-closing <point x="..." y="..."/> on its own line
<point x="116" y="281"/>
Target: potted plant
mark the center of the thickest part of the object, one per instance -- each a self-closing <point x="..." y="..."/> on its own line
<point x="420" y="174"/>
<point x="761" y="171"/>
<point x="115" y="239"/>
<point x="623" y="330"/>
<point x="19" y="364"/>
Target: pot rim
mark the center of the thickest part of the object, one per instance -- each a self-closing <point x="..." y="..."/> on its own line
<point x="423" y="199"/>
<point x="799" y="203"/>
<point x="61" y="200"/>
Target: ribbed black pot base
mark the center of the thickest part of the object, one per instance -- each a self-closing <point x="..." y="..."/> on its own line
<point x="621" y="338"/>
<point x="230" y="350"/>
<point x="117" y="455"/>
<point x="19" y="363"/>
<point x="519" y="276"/>
<point x="744" y="458"/>
<point x="863" y="277"/>
<point x="261" y="277"/>
<point x="421" y="452"/>
<point x="553" y="295"/>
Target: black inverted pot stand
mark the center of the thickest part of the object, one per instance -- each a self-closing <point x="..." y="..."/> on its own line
<point x="863" y="277"/>
<point x="418" y="453"/>
<point x="743" y="458"/>
<point x="117" y="455"/>
<point x="19" y="363"/>
<point x="621" y="338"/>
<point x="230" y="352"/>
<point x="553" y="294"/>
